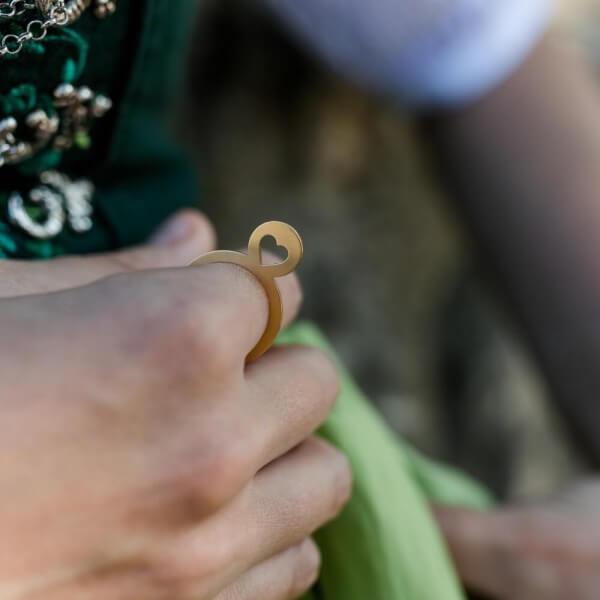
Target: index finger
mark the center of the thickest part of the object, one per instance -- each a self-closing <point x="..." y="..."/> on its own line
<point x="500" y="553"/>
<point x="243" y="306"/>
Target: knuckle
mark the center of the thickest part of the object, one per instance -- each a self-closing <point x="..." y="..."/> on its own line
<point x="176" y="577"/>
<point x="215" y="478"/>
<point x="227" y="476"/>
<point x="184" y="333"/>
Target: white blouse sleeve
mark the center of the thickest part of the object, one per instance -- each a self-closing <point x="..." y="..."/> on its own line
<point x="426" y="52"/>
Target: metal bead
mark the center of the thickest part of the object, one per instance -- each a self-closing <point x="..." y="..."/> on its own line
<point x="44" y="126"/>
<point x="76" y="108"/>
<point x="101" y="105"/>
<point x="64" y="95"/>
<point x="84" y="94"/>
<point x="73" y="9"/>
<point x="18" y="152"/>
<point x="36" y="119"/>
<point x="104" y="8"/>
<point x="8" y="125"/>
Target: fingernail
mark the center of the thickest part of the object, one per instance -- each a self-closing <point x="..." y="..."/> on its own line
<point x="174" y="231"/>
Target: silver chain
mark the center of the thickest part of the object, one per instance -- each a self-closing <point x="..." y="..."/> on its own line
<point x="8" y="10"/>
<point x="35" y="30"/>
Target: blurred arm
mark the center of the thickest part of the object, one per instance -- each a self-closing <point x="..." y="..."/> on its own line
<point x="524" y="164"/>
<point x="425" y="53"/>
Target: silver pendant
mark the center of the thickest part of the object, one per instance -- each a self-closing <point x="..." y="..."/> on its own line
<point x="61" y="201"/>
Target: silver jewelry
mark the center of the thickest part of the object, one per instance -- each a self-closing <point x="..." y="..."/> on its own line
<point x="61" y="200"/>
<point x="40" y="127"/>
<point x="76" y="109"/>
<point x="55" y="13"/>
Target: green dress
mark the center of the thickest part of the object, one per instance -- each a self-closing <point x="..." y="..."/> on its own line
<point x="385" y="545"/>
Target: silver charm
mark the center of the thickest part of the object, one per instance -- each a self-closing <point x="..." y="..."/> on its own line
<point x="61" y="200"/>
<point x="76" y="110"/>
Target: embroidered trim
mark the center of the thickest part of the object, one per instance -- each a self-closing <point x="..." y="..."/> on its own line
<point x="54" y="202"/>
<point x="38" y="128"/>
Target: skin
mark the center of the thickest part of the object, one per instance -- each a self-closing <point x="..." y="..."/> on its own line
<point x="522" y="164"/>
<point x="548" y="551"/>
<point x="196" y="493"/>
<point x="140" y="458"/>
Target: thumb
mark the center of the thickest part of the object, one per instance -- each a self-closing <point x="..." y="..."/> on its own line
<point x="177" y="242"/>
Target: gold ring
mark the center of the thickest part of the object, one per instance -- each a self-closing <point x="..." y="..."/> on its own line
<point x="286" y="237"/>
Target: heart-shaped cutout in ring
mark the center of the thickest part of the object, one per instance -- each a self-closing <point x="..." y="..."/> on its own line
<point x="286" y="237"/>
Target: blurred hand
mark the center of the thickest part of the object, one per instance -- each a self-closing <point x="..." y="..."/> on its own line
<point x="139" y="457"/>
<point x="545" y="552"/>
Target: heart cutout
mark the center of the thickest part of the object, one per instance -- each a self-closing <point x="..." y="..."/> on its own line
<point x="279" y="253"/>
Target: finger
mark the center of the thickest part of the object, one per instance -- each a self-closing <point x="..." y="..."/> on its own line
<point x="480" y="548"/>
<point x="531" y="553"/>
<point x="283" y="505"/>
<point x="238" y="302"/>
<point x="285" y="577"/>
<point x="175" y="244"/>
<point x="499" y="554"/>
<point x="293" y="389"/>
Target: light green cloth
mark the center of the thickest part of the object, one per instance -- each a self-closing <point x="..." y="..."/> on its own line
<point x="385" y="544"/>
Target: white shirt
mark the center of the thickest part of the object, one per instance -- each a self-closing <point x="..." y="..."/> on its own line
<point x="427" y="52"/>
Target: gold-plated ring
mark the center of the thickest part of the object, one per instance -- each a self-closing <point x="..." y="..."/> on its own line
<point x="286" y="237"/>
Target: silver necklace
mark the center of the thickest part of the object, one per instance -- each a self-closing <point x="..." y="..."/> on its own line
<point x="48" y="14"/>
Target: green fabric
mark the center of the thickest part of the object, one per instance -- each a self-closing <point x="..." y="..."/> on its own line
<point x="384" y="545"/>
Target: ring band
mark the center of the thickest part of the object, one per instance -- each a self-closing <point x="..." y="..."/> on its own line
<point x="286" y="237"/>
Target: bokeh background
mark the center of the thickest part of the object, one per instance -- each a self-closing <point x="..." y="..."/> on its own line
<point x="389" y="274"/>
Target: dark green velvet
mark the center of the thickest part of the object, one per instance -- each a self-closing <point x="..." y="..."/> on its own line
<point x="136" y="57"/>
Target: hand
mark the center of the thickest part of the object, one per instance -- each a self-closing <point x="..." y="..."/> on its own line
<point x="139" y="457"/>
<point x="546" y="552"/>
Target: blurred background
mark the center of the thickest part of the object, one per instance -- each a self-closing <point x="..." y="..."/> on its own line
<point x="388" y="273"/>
